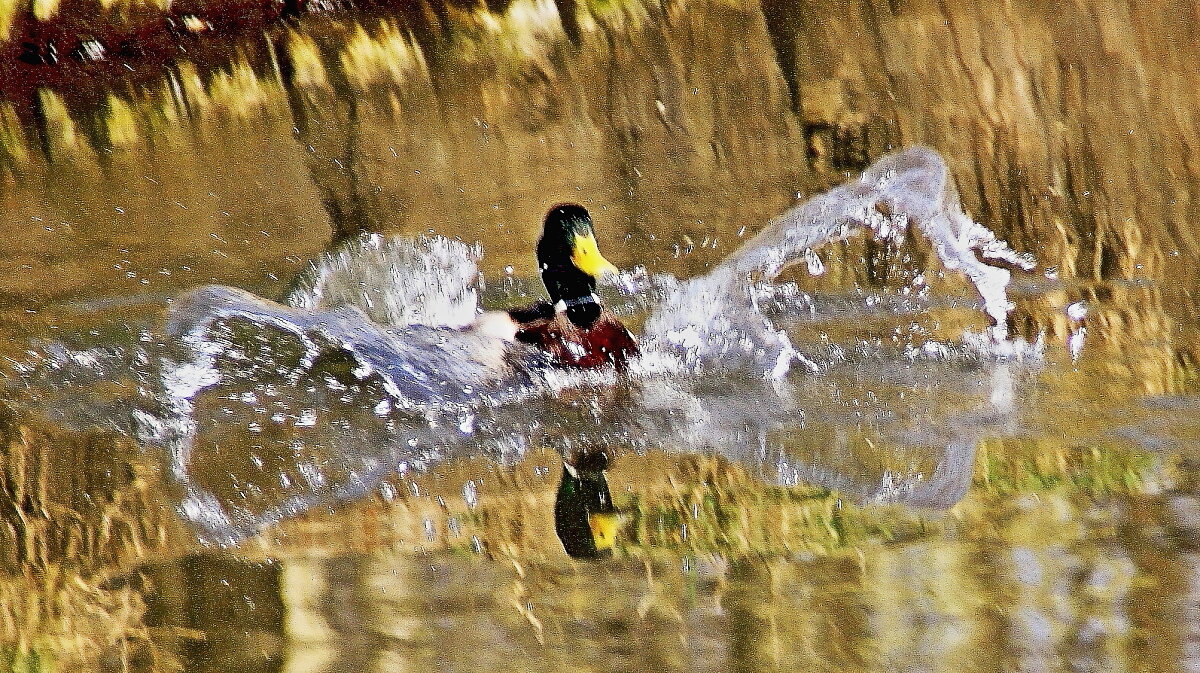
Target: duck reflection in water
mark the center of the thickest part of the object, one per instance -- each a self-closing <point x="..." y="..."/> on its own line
<point x="585" y="518"/>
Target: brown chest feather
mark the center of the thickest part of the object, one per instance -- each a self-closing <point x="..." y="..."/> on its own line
<point x="605" y="342"/>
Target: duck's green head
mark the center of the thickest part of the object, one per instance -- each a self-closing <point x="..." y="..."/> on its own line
<point x="570" y="261"/>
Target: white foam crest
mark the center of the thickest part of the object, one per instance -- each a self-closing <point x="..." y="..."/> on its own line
<point x="716" y="317"/>
<point x="395" y="281"/>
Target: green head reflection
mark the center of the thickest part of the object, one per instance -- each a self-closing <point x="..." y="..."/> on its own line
<point x="585" y="518"/>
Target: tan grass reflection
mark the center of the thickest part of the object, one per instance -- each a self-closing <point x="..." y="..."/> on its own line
<point x="1056" y="140"/>
<point x="88" y="520"/>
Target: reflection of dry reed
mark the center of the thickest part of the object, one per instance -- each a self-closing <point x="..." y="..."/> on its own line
<point x="1058" y="142"/>
<point x="80" y="512"/>
<point x="1057" y="139"/>
<point x="73" y="513"/>
<point x="56" y="615"/>
<point x="1062" y="550"/>
<point x="74" y="496"/>
<point x="1138" y="338"/>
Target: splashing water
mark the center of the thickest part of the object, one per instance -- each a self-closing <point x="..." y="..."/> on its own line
<point x="417" y="381"/>
<point x="419" y="365"/>
<point x="716" y="317"/>
<point x="397" y="307"/>
<point x="364" y="370"/>
<point x="396" y="282"/>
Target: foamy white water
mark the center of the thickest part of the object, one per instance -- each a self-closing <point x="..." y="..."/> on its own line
<point x="395" y="281"/>
<point x="716" y="318"/>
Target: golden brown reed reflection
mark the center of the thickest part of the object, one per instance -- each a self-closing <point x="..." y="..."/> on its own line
<point x="1140" y="335"/>
<point x="76" y="510"/>
<point x="1056" y="131"/>
<point x="1069" y="584"/>
<point x="120" y="583"/>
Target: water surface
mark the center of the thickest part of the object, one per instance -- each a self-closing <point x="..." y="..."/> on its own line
<point x="769" y="526"/>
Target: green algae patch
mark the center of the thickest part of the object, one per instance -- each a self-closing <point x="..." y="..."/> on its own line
<point x="1011" y="467"/>
<point x="25" y="661"/>
<point x="717" y="508"/>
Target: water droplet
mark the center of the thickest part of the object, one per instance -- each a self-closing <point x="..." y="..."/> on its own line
<point x="815" y="266"/>
<point x="1077" y="311"/>
<point x="470" y="494"/>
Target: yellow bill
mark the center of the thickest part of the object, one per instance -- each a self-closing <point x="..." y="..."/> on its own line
<point x="604" y="529"/>
<point x="587" y="257"/>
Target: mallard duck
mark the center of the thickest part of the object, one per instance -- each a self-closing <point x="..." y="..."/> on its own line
<point x="585" y="518"/>
<point x="573" y="327"/>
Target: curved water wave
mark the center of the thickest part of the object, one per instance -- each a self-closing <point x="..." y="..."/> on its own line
<point x="716" y="316"/>
<point x="323" y="403"/>
<point x="419" y="365"/>
<point x="367" y="371"/>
